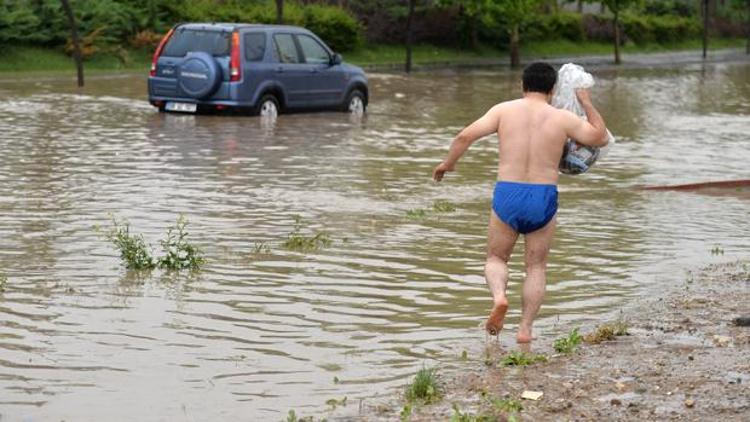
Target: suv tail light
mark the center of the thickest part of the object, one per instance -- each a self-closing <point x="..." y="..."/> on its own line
<point x="235" y="72"/>
<point x="157" y="53"/>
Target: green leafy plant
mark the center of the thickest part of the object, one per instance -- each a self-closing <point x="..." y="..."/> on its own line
<point x="568" y="345"/>
<point x="405" y="412"/>
<point x="607" y="332"/>
<point x="178" y="252"/>
<point x="133" y="249"/>
<point x="522" y="359"/>
<point x="458" y="416"/>
<point x="717" y="250"/>
<point x="506" y="405"/>
<point x="425" y="387"/>
<point x="296" y="241"/>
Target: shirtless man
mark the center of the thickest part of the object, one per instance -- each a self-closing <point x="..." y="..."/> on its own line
<point x="531" y="135"/>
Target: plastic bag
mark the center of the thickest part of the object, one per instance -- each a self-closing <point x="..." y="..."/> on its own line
<point x="576" y="158"/>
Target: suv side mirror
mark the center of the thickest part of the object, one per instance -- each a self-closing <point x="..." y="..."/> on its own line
<point x="336" y="59"/>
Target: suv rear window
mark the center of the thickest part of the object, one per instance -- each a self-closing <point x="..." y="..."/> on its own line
<point x="255" y="46"/>
<point x="215" y="43"/>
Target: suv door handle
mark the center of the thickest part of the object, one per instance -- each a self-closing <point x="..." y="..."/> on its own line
<point x="279" y="69"/>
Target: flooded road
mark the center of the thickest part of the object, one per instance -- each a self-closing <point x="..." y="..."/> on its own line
<point x="255" y="335"/>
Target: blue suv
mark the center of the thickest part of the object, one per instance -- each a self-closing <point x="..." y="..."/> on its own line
<point x="263" y="69"/>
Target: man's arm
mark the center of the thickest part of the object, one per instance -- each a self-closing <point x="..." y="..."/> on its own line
<point x="592" y="132"/>
<point x="485" y="125"/>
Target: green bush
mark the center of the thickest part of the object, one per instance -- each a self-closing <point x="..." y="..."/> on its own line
<point x="336" y="27"/>
<point x="659" y="29"/>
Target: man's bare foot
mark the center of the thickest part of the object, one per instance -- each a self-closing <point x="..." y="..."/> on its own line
<point x="524" y="336"/>
<point x="497" y="316"/>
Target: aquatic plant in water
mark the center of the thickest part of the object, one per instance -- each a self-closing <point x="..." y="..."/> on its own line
<point x="178" y="252"/>
<point x="568" y="345"/>
<point x="133" y="248"/>
<point x="296" y="241"/>
<point x="425" y="386"/>
<point x="443" y="206"/>
<point x="3" y="282"/>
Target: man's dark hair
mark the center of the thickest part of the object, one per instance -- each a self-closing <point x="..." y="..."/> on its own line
<point x="539" y="77"/>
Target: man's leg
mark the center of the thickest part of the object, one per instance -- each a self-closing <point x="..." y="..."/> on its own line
<point x="537" y="248"/>
<point x="500" y="240"/>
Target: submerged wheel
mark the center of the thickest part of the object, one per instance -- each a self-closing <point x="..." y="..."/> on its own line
<point x="355" y="102"/>
<point x="268" y="106"/>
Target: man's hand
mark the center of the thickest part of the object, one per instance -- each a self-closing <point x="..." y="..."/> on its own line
<point x="440" y="170"/>
<point x="583" y="95"/>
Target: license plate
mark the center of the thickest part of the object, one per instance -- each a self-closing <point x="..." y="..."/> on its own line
<point x="183" y="107"/>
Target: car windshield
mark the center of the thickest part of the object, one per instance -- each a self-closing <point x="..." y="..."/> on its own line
<point x="182" y="41"/>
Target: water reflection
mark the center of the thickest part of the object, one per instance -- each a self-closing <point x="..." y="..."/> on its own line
<point x="259" y="334"/>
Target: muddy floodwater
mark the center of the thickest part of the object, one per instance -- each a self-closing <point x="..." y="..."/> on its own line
<point x="254" y="335"/>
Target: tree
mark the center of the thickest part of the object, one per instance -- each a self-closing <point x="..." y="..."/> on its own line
<point x="616" y="6"/>
<point x="705" y="27"/>
<point x="409" y="34"/>
<point x="470" y="12"/>
<point x="517" y="13"/>
<point x="742" y="9"/>
<point x="74" y="38"/>
<point x="279" y="12"/>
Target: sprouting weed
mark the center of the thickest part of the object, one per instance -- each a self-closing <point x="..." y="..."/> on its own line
<point x="334" y="403"/>
<point x="522" y="359"/>
<point x="443" y="206"/>
<point x="133" y="248"/>
<point x="717" y="250"/>
<point x="178" y="252"/>
<point x="3" y="282"/>
<point x="405" y="414"/>
<point x="425" y="386"/>
<point x="261" y="248"/>
<point x="296" y="241"/>
<point x="607" y="332"/>
<point x="416" y="213"/>
<point x="568" y="345"/>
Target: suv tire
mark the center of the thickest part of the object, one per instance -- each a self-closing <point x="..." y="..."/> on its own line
<point x="355" y="102"/>
<point x="268" y="106"/>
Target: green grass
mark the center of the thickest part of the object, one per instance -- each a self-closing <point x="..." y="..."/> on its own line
<point x="568" y="345"/>
<point x="39" y="59"/>
<point x="562" y="48"/>
<point x="34" y="59"/>
<point x="458" y="416"/>
<point x="425" y="387"/>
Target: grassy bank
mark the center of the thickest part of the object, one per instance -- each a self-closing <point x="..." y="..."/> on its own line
<point x="34" y="59"/>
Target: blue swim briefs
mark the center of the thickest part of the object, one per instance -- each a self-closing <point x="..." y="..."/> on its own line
<point x="526" y="207"/>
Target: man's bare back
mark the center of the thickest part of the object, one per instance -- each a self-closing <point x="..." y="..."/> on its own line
<point x="531" y="136"/>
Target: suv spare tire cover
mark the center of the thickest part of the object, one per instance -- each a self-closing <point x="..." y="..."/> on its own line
<point x="199" y="75"/>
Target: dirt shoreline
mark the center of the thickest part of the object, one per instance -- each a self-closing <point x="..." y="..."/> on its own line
<point x="684" y="359"/>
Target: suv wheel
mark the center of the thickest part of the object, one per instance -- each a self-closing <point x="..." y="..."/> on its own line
<point x="355" y="102"/>
<point x="268" y="106"/>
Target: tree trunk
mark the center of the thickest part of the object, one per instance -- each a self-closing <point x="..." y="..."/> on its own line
<point x="705" y="28"/>
<point x="616" y="23"/>
<point x="515" y="58"/>
<point x="279" y="12"/>
<point x="474" y="32"/>
<point x="74" y="37"/>
<point x="409" y="35"/>
<point x="747" y="46"/>
<point x="580" y="6"/>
